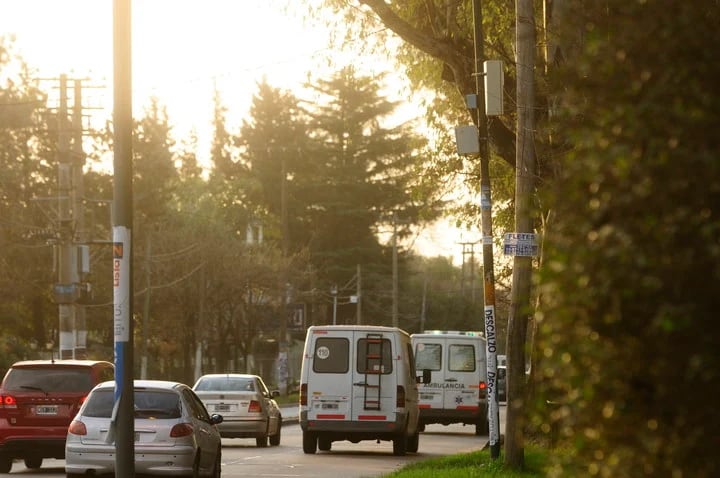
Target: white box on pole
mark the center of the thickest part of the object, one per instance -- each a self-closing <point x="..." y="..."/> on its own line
<point x="466" y="139"/>
<point x="494" y="80"/>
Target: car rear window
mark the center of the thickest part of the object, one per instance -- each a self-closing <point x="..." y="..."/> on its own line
<point x="226" y="384"/>
<point x="49" y="379"/>
<point x="428" y="356"/>
<point x="331" y="355"/>
<point x="148" y="404"/>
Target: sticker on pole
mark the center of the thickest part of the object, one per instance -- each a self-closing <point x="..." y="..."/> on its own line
<point x="520" y="244"/>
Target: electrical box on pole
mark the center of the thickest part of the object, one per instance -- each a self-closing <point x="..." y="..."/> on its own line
<point x="494" y="80"/>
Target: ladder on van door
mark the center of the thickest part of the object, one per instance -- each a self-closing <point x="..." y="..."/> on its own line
<point x="373" y="371"/>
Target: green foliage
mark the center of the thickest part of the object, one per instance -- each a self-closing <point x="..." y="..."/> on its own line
<point x="628" y="324"/>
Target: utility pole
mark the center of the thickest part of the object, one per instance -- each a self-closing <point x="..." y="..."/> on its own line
<point x="486" y="216"/>
<point x="66" y="288"/>
<point x="522" y="263"/>
<point x="123" y="420"/>
<point x="282" y="367"/>
<point x="82" y="264"/>
<point x="395" y="292"/>
<point x="358" y="294"/>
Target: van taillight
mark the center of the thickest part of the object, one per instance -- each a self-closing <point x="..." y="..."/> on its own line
<point x="482" y="388"/>
<point x="254" y="407"/>
<point x="303" y="395"/>
<point x="400" y="400"/>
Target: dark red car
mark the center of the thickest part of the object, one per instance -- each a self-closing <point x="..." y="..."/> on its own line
<point x="38" y="400"/>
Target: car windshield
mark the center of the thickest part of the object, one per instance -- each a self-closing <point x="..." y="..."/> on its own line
<point x="148" y="404"/>
<point x="49" y="379"/>
<point x="226" y="384"/>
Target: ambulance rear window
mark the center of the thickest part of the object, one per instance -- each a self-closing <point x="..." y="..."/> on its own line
<point x="331" y="355"/>
<point x="462" y="358"/>
<point x="428" y="356"/>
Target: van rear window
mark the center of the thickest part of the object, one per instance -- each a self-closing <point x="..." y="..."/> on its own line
<point x="428" y="356"/>
<point x="331" y="355"/>
<point x="462" y="358"/>
<point x="374" y="356"/>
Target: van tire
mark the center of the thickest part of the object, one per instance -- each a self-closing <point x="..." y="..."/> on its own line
<point x="310" y="442"/>
<point x="261" y="441"/>
<point x="324" y="443"/>
<point x="413" y="442"/>
<point x="400" y="445"/>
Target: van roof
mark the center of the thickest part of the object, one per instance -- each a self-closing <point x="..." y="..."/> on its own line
<point x="449" y="333"/>
<point x="357" y="328"/>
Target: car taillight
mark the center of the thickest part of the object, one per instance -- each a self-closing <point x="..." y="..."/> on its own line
<point x="254" y="407"/>
<point x="8" y="401"/>
<point x="77" y="428"/>
<point x="400" y="400"/>
<point x="303" y="394"/>
<point x="181" y="430"/>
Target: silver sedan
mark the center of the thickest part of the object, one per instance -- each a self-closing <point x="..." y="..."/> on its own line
<point x="174" y="434"/>
<point x="247" y="407"/>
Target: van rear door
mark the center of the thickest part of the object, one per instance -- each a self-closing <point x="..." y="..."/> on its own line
<point x="329" y="382"/>
<point x="374" y="376"/>
<point x="429" y="356"/>
<point x="461" y="382"/>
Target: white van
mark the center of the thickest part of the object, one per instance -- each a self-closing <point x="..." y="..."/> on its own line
<point x="358" y="383"/>
<point x="457" y="392"/>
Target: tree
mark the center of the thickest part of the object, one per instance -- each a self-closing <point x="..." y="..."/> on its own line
<point x="628" y="324"/>
<point x="26" y="233"/>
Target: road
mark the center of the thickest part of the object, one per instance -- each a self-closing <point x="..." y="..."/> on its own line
<point x="241" y="458"/>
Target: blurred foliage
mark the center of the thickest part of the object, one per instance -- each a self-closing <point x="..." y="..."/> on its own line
<point x="628" y="330"/>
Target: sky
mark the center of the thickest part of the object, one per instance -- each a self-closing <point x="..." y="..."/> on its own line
<point x="183" y="49"/>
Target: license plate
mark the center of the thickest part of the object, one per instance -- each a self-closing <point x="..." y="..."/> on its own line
<point x="426" y="396"/>
<point x="222" y="408"/>
<point x="46" y="410"/>
<point x="329" y="406"/>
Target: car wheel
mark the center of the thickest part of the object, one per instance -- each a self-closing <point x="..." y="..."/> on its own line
<point x="73" y="475"/>
<point x="196" y="466"/>
<point x="421" y="427"/>
<point x="400" y="444"/>
<point x="217" y="465"/>
<point x="275" y="439"/>
<point x="309" y="443"/>
<point x="5" y="464"/>
<point x="413" y="442"/>
<point x="262" y="441"/>
<point x="33" y="462"/>
<point x="324" y="444"/>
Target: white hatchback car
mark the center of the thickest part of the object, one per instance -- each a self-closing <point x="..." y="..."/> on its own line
<point x="174" y="434"/>
<point x="247" y="407"/>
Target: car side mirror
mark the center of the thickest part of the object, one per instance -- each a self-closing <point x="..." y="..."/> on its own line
<point x="275" y="393"/>
<point x="215" y="419"/>
<point x="426" y="377"/>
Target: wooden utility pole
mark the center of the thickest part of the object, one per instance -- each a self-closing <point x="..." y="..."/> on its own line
<point x="489" y="318"/>
<point x="525" y="172"/>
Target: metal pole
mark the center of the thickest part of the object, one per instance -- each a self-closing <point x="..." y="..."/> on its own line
<point x="334" y="292"/>
<point x="123" y="418"/>
<point x="486" y="215"/>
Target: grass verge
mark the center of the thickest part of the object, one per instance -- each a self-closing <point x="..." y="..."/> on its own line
<point x="475" y="464"/>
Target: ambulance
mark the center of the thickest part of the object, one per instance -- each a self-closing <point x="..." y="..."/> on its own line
<point x="457" y="391"/>
<point x="359" y="383"/>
